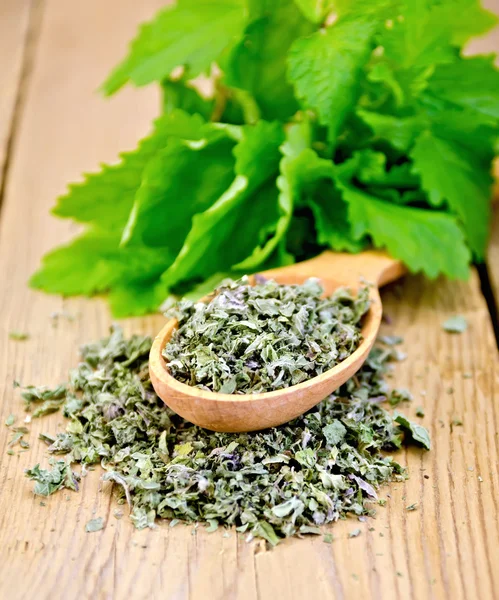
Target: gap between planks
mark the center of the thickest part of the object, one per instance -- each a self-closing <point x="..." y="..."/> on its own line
<point x="19" y="28"/>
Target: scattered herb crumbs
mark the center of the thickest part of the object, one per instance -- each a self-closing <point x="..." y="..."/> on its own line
<point x="94" y="525"/>
<point x="412" y="506"/>
<point x="467" y="375"/>
<point x="390" y="340"/>
<point x="211" y="525"/>
<point x="115" y="417"/>
<point x="381" y="534"/>
<point x="355" y="533"/>
<point x="252" y="339"/>
<point x="10" y="452"/>
<point x="456" y="324"/>
<point x="420" y="411"/>
<point x="117" y="513"/>
<point x="10" y="420"/>
<point x="457" y="422"/>
<point x="49" y="481"/>
<point x="371" y="529"/>
<point x="18" y="336"/>
<point x="418" y="433"/>
<point x="42" y="503"/>
<point x="399" y="574"/>
<point x="328" y="538"/>
<point x="450" y="390"/>
<point x="398" y="396"/>
<point x="382" y="501"/>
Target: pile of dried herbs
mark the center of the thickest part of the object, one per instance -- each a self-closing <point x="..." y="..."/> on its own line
<point x="285" y="481"/>
<point x="249" y="339"/>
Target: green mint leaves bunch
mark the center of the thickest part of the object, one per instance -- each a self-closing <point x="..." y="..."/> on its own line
<point x="342" y="125"/>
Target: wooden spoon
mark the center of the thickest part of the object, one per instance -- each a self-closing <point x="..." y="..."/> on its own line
<point x="250" y="412"/>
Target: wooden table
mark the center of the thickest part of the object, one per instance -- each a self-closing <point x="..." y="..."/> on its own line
<point x="53" y="125"/>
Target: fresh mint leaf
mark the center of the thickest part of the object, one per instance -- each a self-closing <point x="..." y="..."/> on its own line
<point x="257" y="63"/>
<point x="312" y="182"/>
<point x="398" y="131"/>
<point x="373" y="171"/>
<point x="95" y="262"/>
<point x="471" y="83"/>
<point x="331" y="92"/>
<point x="294" y="144"/>
<point x="189" y="34"/>
<point x="315" y="10"/>
<point x="180" y="95"/>
<point x="214" y="243"/>
<point x="422" y="36"/>
<point x="425" y="240"/>
<point x="105" y="199"/>
<point x="449" y="173"/>
<point x="184" y="178"/>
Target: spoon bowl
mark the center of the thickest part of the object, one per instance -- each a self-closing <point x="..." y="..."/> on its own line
<point x="251" y="412"/>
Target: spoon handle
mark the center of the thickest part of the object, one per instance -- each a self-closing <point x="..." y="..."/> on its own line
<point x="374" y="266"/>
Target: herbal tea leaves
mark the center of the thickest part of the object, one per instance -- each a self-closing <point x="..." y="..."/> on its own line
<point x="415" y="431"/>
<point x="383" y="82"/>
<point x="49" y="481"/>
<point x="252" y="339"/>
<point x="284" y="481"/>
<point x="456" y="324"/>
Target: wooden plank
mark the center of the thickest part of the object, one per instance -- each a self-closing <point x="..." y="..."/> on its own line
<point x="14" y="24"/>
<point x="448" y="548"/>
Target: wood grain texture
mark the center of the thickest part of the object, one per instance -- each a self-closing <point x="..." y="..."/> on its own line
<point x="447" y="548"/>
<point x="14" y="28"/>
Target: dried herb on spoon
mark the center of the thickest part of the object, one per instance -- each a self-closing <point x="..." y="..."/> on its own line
<point x="288" y="480"/>
<point x="250" y="339"/>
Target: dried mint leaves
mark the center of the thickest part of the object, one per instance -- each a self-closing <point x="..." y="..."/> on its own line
<point x="251" y="339"/>
<point x="284" y="481"/>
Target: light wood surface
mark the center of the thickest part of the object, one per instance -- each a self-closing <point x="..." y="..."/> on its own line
<point x="447" y="548"/>
<point x="15" y="17"/>
<point x="226" y="412"/>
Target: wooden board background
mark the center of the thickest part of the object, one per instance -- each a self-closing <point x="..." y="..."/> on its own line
<point x="447" y="548"/>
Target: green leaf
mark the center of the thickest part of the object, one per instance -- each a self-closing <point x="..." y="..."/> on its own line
<point x="425" y="240"/>
<point x="331" y="92"/>
<point x="214" y="243"/>
<point x="424" y="34"/>
<point x="312" y="180"/>
<point x="315" y="10"/>
<point x="417" y="432"/>
<point x="471" y="83"/>
<point x="137" y="298"/>
<point x="180" y="95"/>
<point x="189" y="34"/>
<point x="105" y="199"/>
<point x="95" y="262"/>
<point x="400" y="132"/>
<point x="372" y="170"/>
<point x="449" y="173"/>
<point x="258" y="62"/>
<point x="183" y="179"/>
